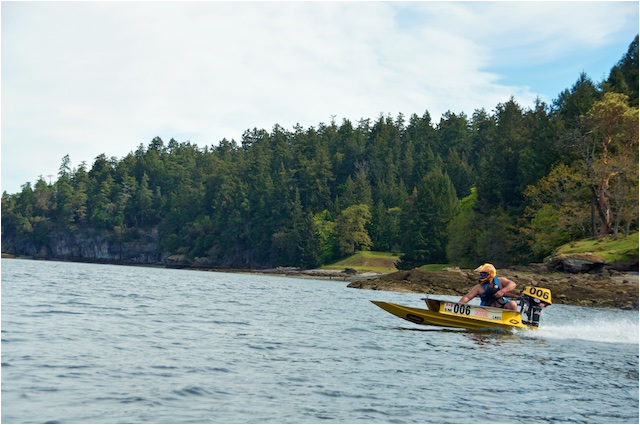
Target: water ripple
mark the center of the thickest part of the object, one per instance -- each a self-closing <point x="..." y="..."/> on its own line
<point x="88" y="343"/>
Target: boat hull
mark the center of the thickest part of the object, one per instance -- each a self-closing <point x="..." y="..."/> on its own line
<point x="457" y="315"/>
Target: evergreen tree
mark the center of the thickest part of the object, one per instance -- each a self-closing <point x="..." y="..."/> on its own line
<point x="623" y="77"/>
<point x="425" y="220"/>
<point x="575" y="102"/>
<point x="385" y="228"/>
<point x="43" y="198"/>
<point x="327" y="240"/>
<point x="142" y="205"/>
<point x="104" y="208"/>
<point x="80" y="198"/>
<point x="463" y="231"/>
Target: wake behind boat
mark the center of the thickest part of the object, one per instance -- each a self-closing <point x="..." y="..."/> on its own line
<point x="473" y="317"/>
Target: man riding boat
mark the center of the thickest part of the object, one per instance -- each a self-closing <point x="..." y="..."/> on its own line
<point x="491" y="289"/>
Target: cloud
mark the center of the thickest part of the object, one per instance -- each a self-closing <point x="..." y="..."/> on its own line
<point x="85" y="78"/>
<point x="534" y="31"/>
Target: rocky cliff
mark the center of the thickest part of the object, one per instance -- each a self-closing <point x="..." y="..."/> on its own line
<point x="92" y="246"/>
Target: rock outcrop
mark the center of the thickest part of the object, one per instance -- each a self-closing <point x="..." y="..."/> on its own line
<point x="93" y="246"/>
<point x="576" y="263"/>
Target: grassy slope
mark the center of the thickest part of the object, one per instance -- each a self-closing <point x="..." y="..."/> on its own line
<point x="622" y="249"/>
<point x="367" y="261"/>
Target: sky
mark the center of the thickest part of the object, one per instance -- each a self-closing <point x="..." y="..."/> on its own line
<point x="90" y="78"/>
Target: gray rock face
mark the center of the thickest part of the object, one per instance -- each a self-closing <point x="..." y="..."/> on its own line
<point x="93" y="246"/>
<point x="576" y="263"/>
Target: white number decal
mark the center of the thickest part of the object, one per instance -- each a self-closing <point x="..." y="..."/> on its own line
<point x="458" y="308"/>
<point x="472" y="311"/>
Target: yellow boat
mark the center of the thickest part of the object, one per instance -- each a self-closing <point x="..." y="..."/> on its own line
<point x="475" y="317"/>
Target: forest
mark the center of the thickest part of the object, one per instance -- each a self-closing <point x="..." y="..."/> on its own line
<point x="506" y="186"/>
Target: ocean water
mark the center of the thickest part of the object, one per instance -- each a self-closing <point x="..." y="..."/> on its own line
<point x="87" y="343"/>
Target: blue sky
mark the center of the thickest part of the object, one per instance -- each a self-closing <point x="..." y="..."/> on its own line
<point x="86" y="78"/>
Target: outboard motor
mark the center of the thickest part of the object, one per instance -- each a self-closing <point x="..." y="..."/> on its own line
<point x="531" y="304"/>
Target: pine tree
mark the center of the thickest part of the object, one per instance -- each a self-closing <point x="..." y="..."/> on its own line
<point x="425" y="219"/>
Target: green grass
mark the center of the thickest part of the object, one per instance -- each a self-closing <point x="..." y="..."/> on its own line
<point x="622" y="249"/>
<point x="367" y="261"/>
<point x="434" y="267"/>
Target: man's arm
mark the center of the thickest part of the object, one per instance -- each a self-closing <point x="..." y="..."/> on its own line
<point x="506" y="285"/>
<point x="471" y="295"/>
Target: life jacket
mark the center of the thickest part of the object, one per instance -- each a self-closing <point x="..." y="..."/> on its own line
<point x="490" y="298"/>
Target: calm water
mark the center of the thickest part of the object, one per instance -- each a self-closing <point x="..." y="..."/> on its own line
<point x="85" y="343"/>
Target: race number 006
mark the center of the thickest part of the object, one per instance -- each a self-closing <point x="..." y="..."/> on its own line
<point x="462" y="309"/>
<point x="538" y="293"/>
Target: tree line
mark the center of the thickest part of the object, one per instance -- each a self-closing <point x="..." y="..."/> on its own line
<point x="506" y="186"/>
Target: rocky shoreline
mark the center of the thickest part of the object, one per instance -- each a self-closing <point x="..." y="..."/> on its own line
<point x="607" y="287"/>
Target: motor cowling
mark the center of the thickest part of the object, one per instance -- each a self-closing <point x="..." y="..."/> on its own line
<point x="532" y="302"/>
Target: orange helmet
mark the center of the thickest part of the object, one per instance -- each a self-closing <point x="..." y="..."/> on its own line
<point x="487" y="272"/>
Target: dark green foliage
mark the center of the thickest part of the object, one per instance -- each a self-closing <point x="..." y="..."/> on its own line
<point x="298" y="242"/>
<point x="623" y="77"/>
<point x="425" y="219"/>
<point x="305" y="197"/>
